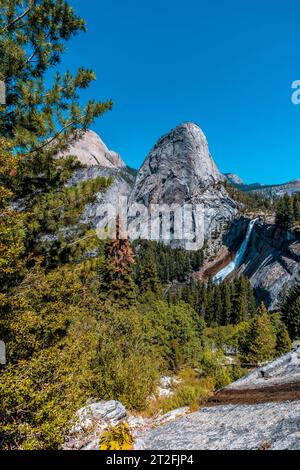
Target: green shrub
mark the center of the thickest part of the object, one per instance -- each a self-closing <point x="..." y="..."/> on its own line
<point x="117" y="438"/>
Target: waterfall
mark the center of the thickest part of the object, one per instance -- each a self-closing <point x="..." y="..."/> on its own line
<point x="236" y="263"/>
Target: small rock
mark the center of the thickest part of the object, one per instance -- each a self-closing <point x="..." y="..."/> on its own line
<point x="172" y="415"/>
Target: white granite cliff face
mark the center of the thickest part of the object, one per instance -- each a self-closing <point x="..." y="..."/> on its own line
<point x="177" y="168"/>
<point x="92" y="151"/>
<point x="180" y="170"/>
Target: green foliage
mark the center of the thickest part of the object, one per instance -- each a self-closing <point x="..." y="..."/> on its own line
<point x="171" y="264"/>
<point x="146" y="273"/>
<point x="51" y="343"/>
<point x="191" y="391"/>
<point x="52" y="224"/>
<point x="116" y="274"/>
<point x="213" y="364"/>
<point x="220" y="304"/>
<point x="249" y="201"/>
<point x="33" y="37"/>
<point x="226" y="338"/>
<point x="283" y="341"/>
<point x="291" y="311"/>
<point x="288" y="211"/>
<point x="125" y="364"/>
<point x="259" y="342"/>
<point x="12" y="231"/>
<point x="177" y="332"/>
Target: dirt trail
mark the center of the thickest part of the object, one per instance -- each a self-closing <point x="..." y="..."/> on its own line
<point x="269" y="394"/>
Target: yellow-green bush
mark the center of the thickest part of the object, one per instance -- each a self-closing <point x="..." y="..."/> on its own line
<point x="117" y="438"/>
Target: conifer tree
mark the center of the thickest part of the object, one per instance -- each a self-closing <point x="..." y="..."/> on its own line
<point x="148" y="280"/>
<point x="292" y="318"/>
<point x="12" y="233"/>
<point x="116" y="275"/>
<point x="33" y="37"/>
<point x="226" y="304"/>
<point x="41" y="119"/>
<point x="217" y="305"/>
<point x="240" y="308"/>
<point x="260" y="341"/>
<point x="283" y="341"/>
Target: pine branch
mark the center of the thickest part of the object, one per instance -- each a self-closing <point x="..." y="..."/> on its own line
<point x="19" y="18"/>
<point x="49" y="142"/>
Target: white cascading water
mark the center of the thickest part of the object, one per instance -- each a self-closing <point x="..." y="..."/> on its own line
<point x="238" y="258"/>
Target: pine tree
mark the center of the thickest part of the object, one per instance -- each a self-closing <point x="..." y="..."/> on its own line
<point x="226" y="304"/>
<point x="33" y="37"/>
<point x="260" y="341"/>
<point x="12" y="231"/>
<point x="116" y="275"/>
<point x="41" y="119"/>
<point x="283" y="341"/>
<point x="148" y="277"/>
<point x="296" y="208"/>
<point x="217" y="305"/>
<point x="240" y="307"/>
<point x="292" y="319"/>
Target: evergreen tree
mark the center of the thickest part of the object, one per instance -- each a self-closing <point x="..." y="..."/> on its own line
<point x="33" y="37"/>
<point x="116" y="274"/>
<point x="217" y="306"/>
<point x="240" y="307"/>
<point x="148" y="280"/>
<point x="226" y="304"/>
<point x="41" y="119"/>
<point x="259" y="343"/>
<point x="292" y="319"/>
<point x="290" y="307"/>
<point x="12" y="232"/>
<point x="283" y="341"/>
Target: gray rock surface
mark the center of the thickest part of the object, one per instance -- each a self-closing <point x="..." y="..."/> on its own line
<point x="271" y="262"/>
<point x="180" y="170"/>
<point x="90" y="423"/>
<point x="243" y="427"/>
<point x="120" y="188"/>
<point x="284" y="370"/>
<point x="102" y="411"/>
<point x="91" y="150"/>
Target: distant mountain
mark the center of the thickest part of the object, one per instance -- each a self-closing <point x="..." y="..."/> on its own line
<point x="272" y="190"/>
<point x="234" y="179"/>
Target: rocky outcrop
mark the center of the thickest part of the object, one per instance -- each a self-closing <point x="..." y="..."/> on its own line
<point x="91" y="421"/>
<point x="90" y="150"/>
<point x="259" y="411"/>
<point x="120" y="188"/>
<point x="180" y="170"/>
<point x="271" y="261"/>
<point x="273" y="426"/>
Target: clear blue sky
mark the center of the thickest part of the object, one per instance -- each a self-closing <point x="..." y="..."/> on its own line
<point x="227" y="65"/>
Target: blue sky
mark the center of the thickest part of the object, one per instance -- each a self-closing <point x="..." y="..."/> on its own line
<point x="227" y="65"/>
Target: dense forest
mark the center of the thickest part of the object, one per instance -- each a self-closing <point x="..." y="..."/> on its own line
<point x="78" y="326"/>
<point x="288" y="211"/>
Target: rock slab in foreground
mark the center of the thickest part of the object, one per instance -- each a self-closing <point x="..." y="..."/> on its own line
<point x="275" y="425"/>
